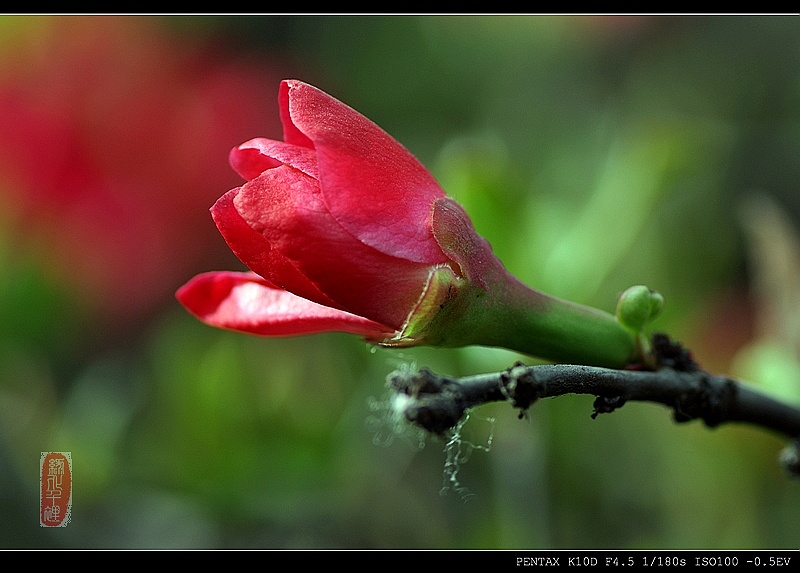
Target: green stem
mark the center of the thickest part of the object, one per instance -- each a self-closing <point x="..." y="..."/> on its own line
<point x="511" y="315"/>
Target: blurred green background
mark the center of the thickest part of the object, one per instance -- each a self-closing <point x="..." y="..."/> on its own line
<point x="593" y="152"/>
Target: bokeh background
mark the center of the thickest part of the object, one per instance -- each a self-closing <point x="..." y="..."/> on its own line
<point x="593" y="152"/>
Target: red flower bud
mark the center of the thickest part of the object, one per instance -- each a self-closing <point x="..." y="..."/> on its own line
<point x="343" y="228"/>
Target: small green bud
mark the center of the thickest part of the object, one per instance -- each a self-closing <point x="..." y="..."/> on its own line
<point x="656" y="303"/>
<point x="637" y="306"/>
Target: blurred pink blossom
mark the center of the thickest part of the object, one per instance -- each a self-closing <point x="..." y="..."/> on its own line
<point x="114" y="134"/>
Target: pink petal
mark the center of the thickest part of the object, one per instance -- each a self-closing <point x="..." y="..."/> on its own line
<point x="287" y="208"/>
<point x="373" y="186"/>
<point x="253" y="157"/>
<point x="245" y="302"/>
<point x="291" y="134"/>
<point x="255" y="251"/>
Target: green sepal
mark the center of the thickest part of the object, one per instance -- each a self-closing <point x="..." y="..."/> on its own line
<point x="440" y="289"/>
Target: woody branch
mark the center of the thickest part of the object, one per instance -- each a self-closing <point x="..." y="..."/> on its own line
<point x="437" y="403"/>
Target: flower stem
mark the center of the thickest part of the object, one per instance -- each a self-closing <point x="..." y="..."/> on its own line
<point x="511" y="315"/>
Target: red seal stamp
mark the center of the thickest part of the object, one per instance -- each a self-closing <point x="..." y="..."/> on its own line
<point x="55" y="485"/>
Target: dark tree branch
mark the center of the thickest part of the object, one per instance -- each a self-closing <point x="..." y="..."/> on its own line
<point x="439" y="402"/>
